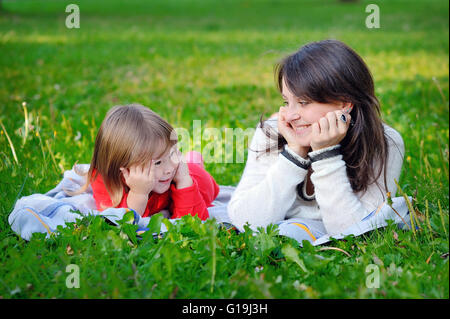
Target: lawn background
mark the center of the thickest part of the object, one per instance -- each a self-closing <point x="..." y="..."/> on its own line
<point x="212" y="61"/>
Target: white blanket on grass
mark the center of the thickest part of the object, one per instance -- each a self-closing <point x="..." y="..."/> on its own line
<point x="43" y="213"/>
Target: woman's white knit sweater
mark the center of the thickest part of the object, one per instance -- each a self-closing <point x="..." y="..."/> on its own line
<point x="267" y="192"/>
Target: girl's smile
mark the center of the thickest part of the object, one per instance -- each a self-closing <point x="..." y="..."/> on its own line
<point x="165" y="181"/>
<point x="163" y="184"/>
<point x="166" y="167"/>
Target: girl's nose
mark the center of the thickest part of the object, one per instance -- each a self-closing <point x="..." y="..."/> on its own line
<point x="168" y="171"/>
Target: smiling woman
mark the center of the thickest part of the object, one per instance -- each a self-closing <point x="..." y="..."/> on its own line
<point x="303" y="118"/>
<point x="330" y="157"/>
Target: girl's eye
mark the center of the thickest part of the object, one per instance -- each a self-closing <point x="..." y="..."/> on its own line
<point x="303" y="103"/>
<point x="285" y="103"/>
<point x="174" y="156"/>
<point x="157" y="163"/>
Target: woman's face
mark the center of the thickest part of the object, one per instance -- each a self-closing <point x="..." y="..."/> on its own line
<point x="301" y="114"/>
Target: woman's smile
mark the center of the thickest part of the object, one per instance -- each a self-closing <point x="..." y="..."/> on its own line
<point x="301" y="129"/>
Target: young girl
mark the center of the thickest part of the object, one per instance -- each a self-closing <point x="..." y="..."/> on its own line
<point x="136" y="164"/>
<point x="326" y="155"/>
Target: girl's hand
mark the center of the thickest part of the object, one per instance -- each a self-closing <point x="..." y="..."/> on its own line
<point x="140" y="178"/>
<point x="182" y="179"/>
<point x="285" y="129"/>
<point x="330" y="130"/>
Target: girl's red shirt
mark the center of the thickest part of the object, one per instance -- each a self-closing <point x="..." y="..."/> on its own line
<point x="193" y="200"/>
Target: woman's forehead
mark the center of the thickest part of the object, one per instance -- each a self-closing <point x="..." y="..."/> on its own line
<point x="285" y="91"/>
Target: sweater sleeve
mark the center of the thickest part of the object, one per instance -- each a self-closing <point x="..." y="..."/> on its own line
<point x="267" y="188"/>
<point x="194" y="200"/>
<point x="340" y="207"/>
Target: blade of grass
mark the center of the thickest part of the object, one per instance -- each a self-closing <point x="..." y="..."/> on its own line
<point x="11" y="145"/>
<point x="389" y="202"/>
<point x="429" y="258"/>
<point x="442" y="218"/>
<point x="335" y="248"/>
<point x="427" y="218"/>
<point x="20" y="192"/>
<point x="421" y="157"/>
<point x="25" y="111"/>
<point x="427" y="167"/>
<point x="410" y="208"/>
<point x="436" y="82"/>
<point x="443" y="161"/>
<point x="38" y="135"/>
<point x="213" y="266"/>
<point x="51" y="155"/>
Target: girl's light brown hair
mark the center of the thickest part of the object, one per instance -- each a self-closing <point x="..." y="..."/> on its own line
<point x="129" y="135"/>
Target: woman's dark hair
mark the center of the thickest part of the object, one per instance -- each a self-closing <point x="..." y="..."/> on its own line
<point x="329" y="71"/>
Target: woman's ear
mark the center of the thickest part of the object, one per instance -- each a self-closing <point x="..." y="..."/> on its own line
<point x="347" y="107"/>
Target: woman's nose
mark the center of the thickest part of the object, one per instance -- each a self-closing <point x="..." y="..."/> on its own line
<point x="292" y="114"/>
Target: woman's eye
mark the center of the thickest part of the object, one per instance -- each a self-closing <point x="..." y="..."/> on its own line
<point x="285" y="103"/>
<point x="303" y="102"/>
<point x="158" y="163"/>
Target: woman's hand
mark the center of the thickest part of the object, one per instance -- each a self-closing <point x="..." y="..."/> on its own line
<point x="182" y="179"/>
<point x="330" y="130"/>
<point x="285" y="129"/>
<point x="140" y="178"/>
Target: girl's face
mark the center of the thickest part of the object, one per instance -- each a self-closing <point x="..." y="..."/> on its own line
<point x="165" y="169"/>
<point x="302" y="114"/>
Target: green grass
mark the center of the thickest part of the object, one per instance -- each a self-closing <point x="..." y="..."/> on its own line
<point x="213" y="62"/>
